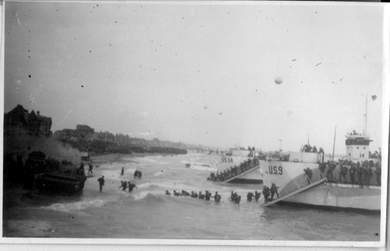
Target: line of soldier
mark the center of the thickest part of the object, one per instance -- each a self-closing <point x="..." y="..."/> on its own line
<point x="353" y="173"/>
<point x="203" y="196"/>
<point x="233" y="171"/>
<point x="234" y="197"/>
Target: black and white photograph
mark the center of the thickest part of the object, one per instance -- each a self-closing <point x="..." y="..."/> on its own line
<point x="195" y="122"/>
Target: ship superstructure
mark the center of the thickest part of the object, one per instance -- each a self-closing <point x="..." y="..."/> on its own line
<point x="357" y="146"/>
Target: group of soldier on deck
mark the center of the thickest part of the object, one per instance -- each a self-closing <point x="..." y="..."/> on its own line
<point x="311" y="149"/>
<point x="358" y="173"/>
<point x="233" y="171"/>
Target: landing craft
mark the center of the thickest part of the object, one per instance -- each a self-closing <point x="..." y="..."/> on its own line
<point x="67" y="179"/>
<point x="327" y="186"/>
<point x="305" y="178"/>
<point x="242" y="169"/>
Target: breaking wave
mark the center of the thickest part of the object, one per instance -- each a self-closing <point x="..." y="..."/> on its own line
<point x="75" y="206"/>
<point x="148" y="195"/>
<point x="202" y="167"/>
<point x="158" y="173"/>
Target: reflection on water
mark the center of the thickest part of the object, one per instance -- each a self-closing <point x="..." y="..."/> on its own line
<point x="148" y="213"/>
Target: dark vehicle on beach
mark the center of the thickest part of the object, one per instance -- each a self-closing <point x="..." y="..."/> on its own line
<point x="35" y="164"/>
<point x="66" y="181"/>
<point x="50" y="175"/>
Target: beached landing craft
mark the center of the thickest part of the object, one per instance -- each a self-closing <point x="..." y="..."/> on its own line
<point x="64" y="177"/>
<point x="305" y="178"/>
<point x="68" y="182"/>
<point x="240" y="166"/>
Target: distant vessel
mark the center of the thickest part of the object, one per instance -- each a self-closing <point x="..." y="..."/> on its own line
<point x="305" y="178"/>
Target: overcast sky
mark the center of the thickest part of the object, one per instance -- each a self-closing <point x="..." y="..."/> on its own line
<point x="199" y="73"/>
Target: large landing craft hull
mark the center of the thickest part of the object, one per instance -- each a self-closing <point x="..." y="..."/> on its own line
<point x="290" y="176"/>
<point x="340" y="196"/>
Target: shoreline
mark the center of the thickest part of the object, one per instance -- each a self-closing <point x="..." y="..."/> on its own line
<point x="112" y="157"/>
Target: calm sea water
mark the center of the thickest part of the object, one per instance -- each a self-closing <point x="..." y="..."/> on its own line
<point x="148" y="213"/>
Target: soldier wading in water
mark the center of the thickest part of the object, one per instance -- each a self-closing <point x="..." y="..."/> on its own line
<point x="101" y="183"/>
<point x="131" y="186"/>
<point x="235" y="197"/>
<point x="123" y="185"/>
<point x="266" y="193"/>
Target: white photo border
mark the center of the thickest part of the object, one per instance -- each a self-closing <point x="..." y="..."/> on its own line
<point x="201" y="242"/>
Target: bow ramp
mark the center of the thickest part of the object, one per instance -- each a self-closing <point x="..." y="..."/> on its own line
<point x="300" y="190"/>
<point x="242" y="174"/>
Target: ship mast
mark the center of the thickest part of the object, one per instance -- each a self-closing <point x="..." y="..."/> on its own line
<point x="334" y="142"/>
<point x="365" y="118"/>
<point x="280" y="144"/>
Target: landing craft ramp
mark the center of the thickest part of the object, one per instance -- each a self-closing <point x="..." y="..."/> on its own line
<point x="243" y="174"/>
<point x="300" y="190"/>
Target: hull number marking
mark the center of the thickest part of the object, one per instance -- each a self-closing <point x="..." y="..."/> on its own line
<point x="275" y="170"/>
